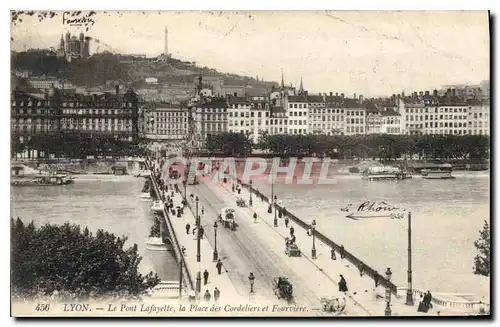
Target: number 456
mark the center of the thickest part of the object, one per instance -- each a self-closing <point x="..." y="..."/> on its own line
<point x="42" y="307"/>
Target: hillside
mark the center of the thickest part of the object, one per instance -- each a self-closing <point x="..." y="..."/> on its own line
<point x="105" y="68"/>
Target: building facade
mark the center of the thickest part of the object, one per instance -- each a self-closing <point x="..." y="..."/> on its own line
<point x="55" y="113"/>
<point x="165" y="122"/>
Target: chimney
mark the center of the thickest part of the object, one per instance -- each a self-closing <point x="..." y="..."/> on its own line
<point x="453" y="92"/>
<point x="117" y="89"/>
<point x="402" y="94"/>
<point x="336" y="94"/>
<point x="319" y="93"/>
<point x="331" y="94"/>
<point x="448" y="93"/>
<point x="324" y="96"/>
<point x="360" y="99"/>
<point x="421" y="93"/>
<point x="426" y="92"/>
<point x="354" y="96"/>
<point x="435" y="93"/>
<point x="342" y="95"/>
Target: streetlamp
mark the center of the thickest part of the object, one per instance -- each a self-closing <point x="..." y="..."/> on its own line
<point x="388" y="274"/>
<point x="409" y="291"/>
<point x="275" y="218"/>
<point x="251" y="278"/>
<point x="313" y="251"/>
<point x="216" y="255"/>
<point x="250" y="190"/>
<point x="184" y="182"/>
<point x="198" y="253"/>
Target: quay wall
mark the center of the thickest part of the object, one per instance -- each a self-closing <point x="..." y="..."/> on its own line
<point x="367" y="270"/>
<point x="188" y="280"/>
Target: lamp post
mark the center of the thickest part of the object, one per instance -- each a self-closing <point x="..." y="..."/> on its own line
<point x="184" y="182"/>
<point x="198" y="253"/>
<point x="409" y="291"/>
<point x="250" y="191"/>
<point x="388" y="274"/>
<point x="275" y="218"/>
<point x="216" y="255"/>
<point x="313" y="251"/>
<point x="251" y="278"/>
<point x="272" y="185"/>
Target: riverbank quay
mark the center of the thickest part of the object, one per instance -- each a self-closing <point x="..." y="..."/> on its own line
<point x="361" y="284"/>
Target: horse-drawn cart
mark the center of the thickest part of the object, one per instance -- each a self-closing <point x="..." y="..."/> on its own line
<point x="333" y="305"/>
<point x="227" y="218"/>
<point x="283" y="289"/>
<point x="240" y="202"/>
<point x="291" y="249"/>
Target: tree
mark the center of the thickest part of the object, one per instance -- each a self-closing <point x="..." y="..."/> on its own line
<point x="483" y="244"/>
<point x="66" y="262"/>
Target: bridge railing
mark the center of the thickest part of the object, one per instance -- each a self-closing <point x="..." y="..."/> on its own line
<point x="463" y="306"/>
<point x="367" y="270"/>
<point x="173" y="236"/>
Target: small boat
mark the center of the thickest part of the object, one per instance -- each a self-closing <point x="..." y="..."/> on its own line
<point x="145" y="195"/>
<point x="438" y="173"/>
<point x="157" y="206"/>
<point x="143" y="173"/>
<point x="385" y="173"/>
<point x="156" y="244"/>
<point x="42" y="180"/>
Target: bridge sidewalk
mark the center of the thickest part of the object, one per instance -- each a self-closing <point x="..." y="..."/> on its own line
<point x="228" y="293"/>
<point x="361" y="288"/>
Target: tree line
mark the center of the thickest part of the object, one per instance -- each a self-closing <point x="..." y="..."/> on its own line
<point x="376" y="146"/>
<point x="79" y="146"/>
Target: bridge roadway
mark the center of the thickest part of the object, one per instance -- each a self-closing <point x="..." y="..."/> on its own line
<point x="257" y="248"/>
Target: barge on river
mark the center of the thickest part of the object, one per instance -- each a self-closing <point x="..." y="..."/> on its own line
<point x="442" y="172"/>
<point x="41" y="180"/>
<point x="385" y="173"/>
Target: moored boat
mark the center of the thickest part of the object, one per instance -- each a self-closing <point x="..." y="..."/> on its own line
<point x="438" y="173"/>
<point x="145" y="195"/>
<point x="42" y="180"/>
<point x="385" y="173"/>
<point x="157" y="206"/>
<point x="156" y="244"/>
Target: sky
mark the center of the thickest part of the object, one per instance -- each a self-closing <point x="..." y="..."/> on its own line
<point x="370" y="53"/>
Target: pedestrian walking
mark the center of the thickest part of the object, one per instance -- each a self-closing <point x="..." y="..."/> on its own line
<point x="216" y="294"/>
<point x="188" y="227"/>
<point x="194" y="230"/>
<point x="207" y="296"/>
<point x="342" y="284"/>
<point x="342" y="252"/>
<point x="202" y="210"/>
<point x="376" y="278"/>
<point x="361" y="269"/>
<point x="254" y="217"/>
<point x="286" y="222"/>
<point x="202" y="231"/>
<point x="219" y="266"/>
<point x="183" y="249"/>
<point x="334" y="256"/>
<point x="292" y="231"/>
<point x="205" y="277"/>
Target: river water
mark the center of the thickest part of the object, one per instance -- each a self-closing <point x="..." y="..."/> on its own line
<point x="104" y="202"/>
<point x="446" y="218"/>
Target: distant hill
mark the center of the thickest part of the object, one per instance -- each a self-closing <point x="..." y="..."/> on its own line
<point x="104" y="68"/>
